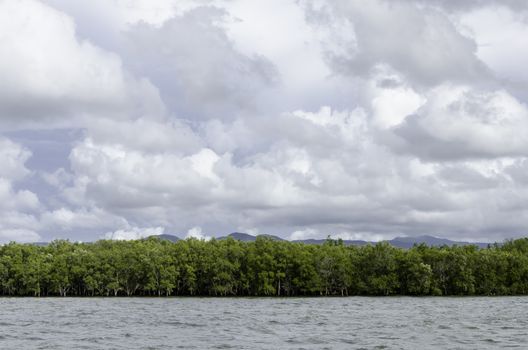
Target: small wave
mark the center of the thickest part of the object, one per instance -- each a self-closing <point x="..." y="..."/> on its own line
<point x="491" y="340"/>
<point x="184" y="324"/>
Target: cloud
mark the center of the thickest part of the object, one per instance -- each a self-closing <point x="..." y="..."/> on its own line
<point x="119" y="177"/>
<point x="498" y="32"/>
<point x="196" y="232"/>
<point x="309" y="233"/>
<point x="145" y="134"/>
<point x="59" y="178"/>
<point x="13" y="158"/>
<point x="294" y="186"/>
<point x="199" y="78"/>
<point x="360" y="120"/>
<point x="66" y="219"/>
<point x="417" y="41"/>
<point x="18" y="207"/>
<point x="460" y="122"/>
<point x="132" y="233"/>
<point x="64" y="78"/>
<point x="121" y="14"/>
<point x="463" y="6"/>
<point x="18" y="235"/>
<point x="12" y="199"/>
<point x="391" y="99"/>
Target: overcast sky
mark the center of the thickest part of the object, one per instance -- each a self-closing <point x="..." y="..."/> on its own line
<point x="359" y="119"/>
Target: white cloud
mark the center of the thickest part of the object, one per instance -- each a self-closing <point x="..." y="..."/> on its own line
<point x="196" y="232"/>
<point x="18" y="235"/>
<point x="12" y="159"/>
<point x="352" y="187"/>
<point x="14" y="202"/>
<point x="360" y="236"/>
<point x="308" y="233"/>
<point x="360" y="120"/>
<point x="42" y="61"/>
<point x="203" y="163"/>
<point x="206" y="77"/>
<point x="463" y="122"/>
<point x="147" y="135"/>
<point x="119" y="15"/>
<point x="417" y="41"/>
<point x="17" y="206"/>
<point x="66" y="219"/>
<point x="12" y="199"/>
<point x="132" y="233"/>
<point x="392" y="100"/>
<point x="499" y="33"/>
<point x="59" y="178"/>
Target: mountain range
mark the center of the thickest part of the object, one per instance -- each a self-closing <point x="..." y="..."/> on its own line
<point x="400" y="242"/>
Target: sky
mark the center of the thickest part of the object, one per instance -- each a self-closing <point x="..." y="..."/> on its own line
<point x="366" y="120"/>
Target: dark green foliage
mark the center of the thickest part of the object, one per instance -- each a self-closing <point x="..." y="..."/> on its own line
<point x="265" y="267"/>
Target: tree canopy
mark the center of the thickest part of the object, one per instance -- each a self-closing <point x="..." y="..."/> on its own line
<point x="154" y="267"/>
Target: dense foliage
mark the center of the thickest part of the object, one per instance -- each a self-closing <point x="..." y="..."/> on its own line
<point x="264" y="268"/>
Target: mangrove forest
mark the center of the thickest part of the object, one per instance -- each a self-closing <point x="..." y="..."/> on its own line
<point x="191" y="267"/>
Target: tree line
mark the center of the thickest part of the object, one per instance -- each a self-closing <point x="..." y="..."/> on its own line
<point x="192" y="267"/>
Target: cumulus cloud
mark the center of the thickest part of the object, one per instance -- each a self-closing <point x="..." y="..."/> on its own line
<point x="66" y="219"/>
<point x="309" y="233"/>
<point x="131" y="233"/>
<point x="365" y="189"/>
<point x="418" y="41"/>
<point x="199" y="78"/>
<point x="362" y="120"/>
<point x="13" y="199"/>
<point x="42" y="61"/>
<point x="498" y="32"/>
<point x="454" y="5"/>
<point x="196" y="232"/>
<point x="463" y="122"/>
<point x="13" y="158"/>
<point x="18" y="235"/>
<point x="58" y="178"/>
<point x="18" y="206"/>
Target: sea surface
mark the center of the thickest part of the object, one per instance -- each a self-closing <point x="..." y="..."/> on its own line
<point x="264" y="323"/>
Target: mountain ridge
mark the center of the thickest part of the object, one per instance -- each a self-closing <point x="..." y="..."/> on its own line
<point x="400" y="242"/>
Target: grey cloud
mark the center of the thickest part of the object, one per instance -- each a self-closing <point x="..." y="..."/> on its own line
<point x="50" y="148"/>
<point x="184" y="129"/>
<point x="18" y="206"/>
<point x="50" y="78"/>
<point x="454" y="5"/>
<point x="147" y="135"/>
<point x="518" y="171"/>
<point x="465" y="178"/>
<point x="196" y="66"/>
<point x="420" y="42"/>
<point x="461" y="123"/>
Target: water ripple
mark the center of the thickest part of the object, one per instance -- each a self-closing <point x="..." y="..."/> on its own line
<point x="264" y="323"/>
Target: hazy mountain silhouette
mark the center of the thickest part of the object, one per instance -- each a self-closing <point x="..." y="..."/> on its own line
<point x="400" y="242"/>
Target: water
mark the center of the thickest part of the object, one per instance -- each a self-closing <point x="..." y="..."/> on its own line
<point x="260" y="323"/>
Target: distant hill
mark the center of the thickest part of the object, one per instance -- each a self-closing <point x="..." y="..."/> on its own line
<point x="400" y="242"/>
<point x="166" y="237"/>
<point x="321" y="241"/>
<point x="408" y="242"/>
<point x="240" y="236"/>
<point x="403" y="242"/>
<point x="245" y="237"/>
<point x="40" y="244"/>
